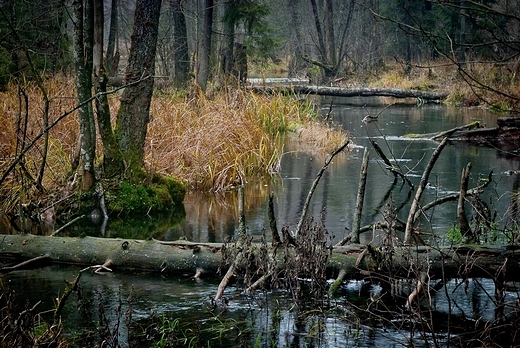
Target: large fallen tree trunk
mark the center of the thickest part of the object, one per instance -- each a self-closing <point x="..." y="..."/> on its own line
<point x="354" y="92"/>
<point x="184" y="257"/>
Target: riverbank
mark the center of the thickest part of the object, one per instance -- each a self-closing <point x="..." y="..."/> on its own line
<point x="475" y="84"/>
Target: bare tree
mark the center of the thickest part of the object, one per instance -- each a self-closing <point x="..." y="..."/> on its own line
<point x="180" y="43"/>
<point x="202" y="62"/>
<point x="134" y="112"/>
<point x="83" y="12"/>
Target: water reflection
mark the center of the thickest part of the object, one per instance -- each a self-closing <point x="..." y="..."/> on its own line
<point x="267" y="317"/>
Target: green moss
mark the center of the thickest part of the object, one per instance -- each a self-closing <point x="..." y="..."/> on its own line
<point x="162" y="193"/>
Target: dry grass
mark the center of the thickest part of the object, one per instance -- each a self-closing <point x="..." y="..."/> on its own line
<point x="24" y="103"/>
<point x="478" y="87"/>
<point x="218" y="142"/>
<point x="210" y="143"/>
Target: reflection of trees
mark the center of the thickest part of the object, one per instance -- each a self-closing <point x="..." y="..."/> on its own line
<point x="214" y="218"/>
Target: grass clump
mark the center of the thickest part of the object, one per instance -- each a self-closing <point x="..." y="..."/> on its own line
<point x="214" y="143"/>
<point x="483" y="84"/>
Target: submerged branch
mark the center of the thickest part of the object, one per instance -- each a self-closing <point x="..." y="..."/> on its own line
<point x="314" y="185"/>
<point x="424" y="180"/>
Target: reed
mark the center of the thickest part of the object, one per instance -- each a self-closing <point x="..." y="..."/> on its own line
<point x="210" y="143"/>
<point x="479" y="83"/>
<point x="214" y="143"/>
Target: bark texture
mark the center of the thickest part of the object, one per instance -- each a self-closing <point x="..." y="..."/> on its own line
<point x="180" y="44"/>
<point x="204" y="46"/>
<point x="83" y="13"/>
<point x="112" y="60"/>
<point x="134" y="112"/>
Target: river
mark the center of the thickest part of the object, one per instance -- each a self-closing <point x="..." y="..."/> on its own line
<point x="334" y="200"/>
<point x="267" y="318"/>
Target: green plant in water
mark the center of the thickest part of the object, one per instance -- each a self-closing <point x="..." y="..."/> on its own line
<point x="258" y="340"/>
<point x="500" y="106"/>
<point x="167" y="328"/>
<point x="454" y="235"/>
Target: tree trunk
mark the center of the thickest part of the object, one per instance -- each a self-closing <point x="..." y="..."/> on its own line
<point x="319" y="31"/>
<point x="112" y="162"/>
<point x="228" y="40"/>
<point x="134" y="113"/>
<point x="180" y="44"/>
<point x="83" y="41"/>
<point x="97" y="41"/>
<point x="331" y="40"/>
<point x="112" y="60"/>
<point x="204" y="46"/>
<point x="296" y="62"/>
<point x="183" y="257"/>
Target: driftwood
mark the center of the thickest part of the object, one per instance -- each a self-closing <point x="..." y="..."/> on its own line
<point x="462" y="218"/>
<point x="188" y="258"/>
<point x="314" y="185"/>
<point x="353" y="92"/>
<point x="507" y="131"/>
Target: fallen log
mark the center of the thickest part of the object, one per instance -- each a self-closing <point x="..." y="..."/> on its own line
<point x="353" y="92"/>
<point x="506" y="132"/>
<point x="188" y="258"/>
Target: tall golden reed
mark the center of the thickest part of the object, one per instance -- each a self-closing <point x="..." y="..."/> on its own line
<point x="209" y="143"/>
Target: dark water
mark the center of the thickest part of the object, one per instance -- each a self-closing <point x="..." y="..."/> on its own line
<point x="268" y="319"/>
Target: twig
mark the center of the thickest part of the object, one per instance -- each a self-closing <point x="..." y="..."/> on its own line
<point x="360" y="197"/>
<point x="50" y="126"/>
<point x="418" y="288"/>
<point x="67" y="225"/>
<point x="258" y="282"/>
<point x="272" y="221"/>
<point x="335" y="285"/>
<point x="462" y="219"/>
<point x="451" y="197"/>
<point x="61" y="302"/>
<point x="389" y="164"/>
<point x="472" y="125"/>
<point x="241" y="214"/>
<point x="314" y="185"/>
<point x="24" y="264"/>
<point x="98" y="269"/>
<point x="226" y="278"/>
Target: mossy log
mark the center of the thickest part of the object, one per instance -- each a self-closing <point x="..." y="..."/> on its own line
<point x="184" y="257"/>
<point x="354" y="92"/>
